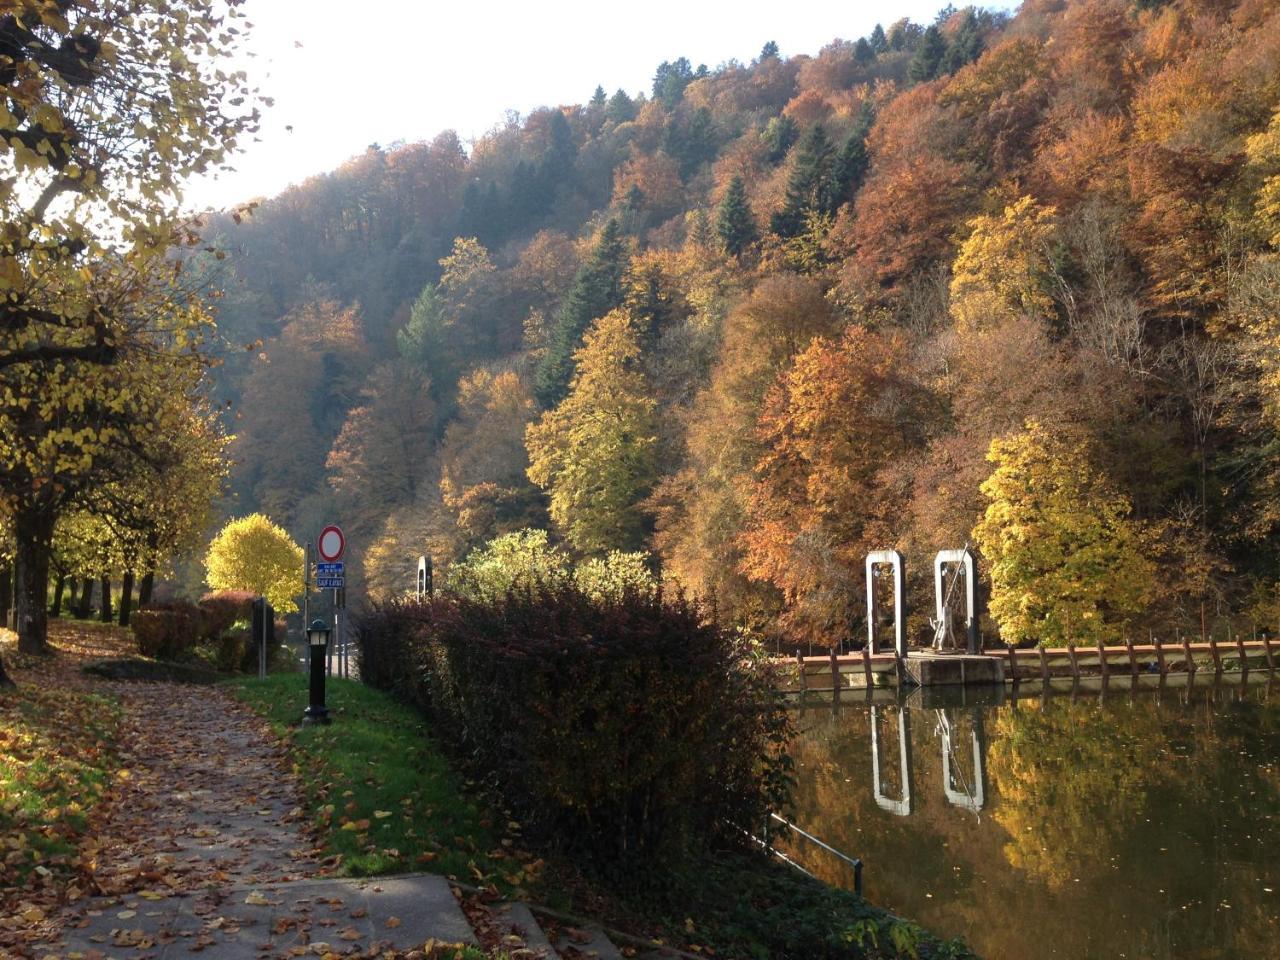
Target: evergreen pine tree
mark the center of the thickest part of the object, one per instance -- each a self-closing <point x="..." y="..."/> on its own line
<point x="596" y="290"/>
<point x="966" y="44"/>
<point x="878" y="42"/>
<point x="734" y="224"/>
<point x="769" y="51"/>
<point x="927" y="63"/>
<point x="670" y="79"/>
<point x="621" y="107"/>
<point x="599" y="98"/>
<point x="862" y="52"/>
<point x="778" y="135"/>
<point x="851" y="165"/>
<point x="811" y="187"/>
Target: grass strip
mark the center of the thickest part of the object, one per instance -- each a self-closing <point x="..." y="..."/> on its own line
<point x="384" y="798"/>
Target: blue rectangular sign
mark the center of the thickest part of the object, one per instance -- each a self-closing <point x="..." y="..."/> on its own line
<point x="329" y="583"/>
<point x="329" y="569"/>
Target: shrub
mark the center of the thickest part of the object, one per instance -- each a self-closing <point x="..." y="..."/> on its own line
<point x="614" y="574"/>
<point x="520" y="560"/>
<point x="165" y="631"/>
<point x="221" y="609"/>
<point x="276" y="654"/>
<point x="626" y="729"/>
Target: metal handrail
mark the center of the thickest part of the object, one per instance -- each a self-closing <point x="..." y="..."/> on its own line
<point x="852" y="861"/>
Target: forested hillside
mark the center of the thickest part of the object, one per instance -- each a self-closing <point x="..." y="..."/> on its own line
<point x="1012" y="281"/>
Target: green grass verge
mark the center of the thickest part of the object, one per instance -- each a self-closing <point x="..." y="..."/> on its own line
<point x="56" y="759"/>
<point x="385" y="798"/>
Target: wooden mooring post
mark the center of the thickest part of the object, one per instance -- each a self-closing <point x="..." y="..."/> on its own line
<point x="1188" y="659"/>
<point x="1244" y="658"/>
<point x="835" y="673"/>
<point x="1102" y="663"/>
<point x="1217" y="656"/>
<point x="1013" y="662"/>
<point x="1133" y="663"/>
<point x="1075" y="665"/>
<point x="1164" y="667"/>
<point x="1044" y="665"/>
<point x="804" y="681"/>
<point x="1266" y="648"/>
<point x="866" y="666"/>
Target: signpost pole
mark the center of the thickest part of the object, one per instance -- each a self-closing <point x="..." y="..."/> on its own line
<point x="306" y="588"/>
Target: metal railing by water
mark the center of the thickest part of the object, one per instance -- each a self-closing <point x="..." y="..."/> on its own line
<point x="854" y="862"/>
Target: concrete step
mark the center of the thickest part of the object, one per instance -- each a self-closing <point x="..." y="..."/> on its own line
<point x="236" y="923"/>
<point x="522" y="936"/>
<point x="586" y="943"/>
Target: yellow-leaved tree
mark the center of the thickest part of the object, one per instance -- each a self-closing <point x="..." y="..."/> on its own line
<point x="1067" y="563"/>
<point x="252" y="553"/>
<point x="106" y="107"/>
<point x="1263" y="152"/>
<point x="596" y="453"/>
<point x="1000" y="270"/>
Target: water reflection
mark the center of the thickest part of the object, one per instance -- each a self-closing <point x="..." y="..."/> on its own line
<point x="1086" y="823"/>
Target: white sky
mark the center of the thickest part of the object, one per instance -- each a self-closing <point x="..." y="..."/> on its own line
<point x="378" y="72"/>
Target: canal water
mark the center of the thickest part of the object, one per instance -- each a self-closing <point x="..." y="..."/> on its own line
<point x="1117" y="823"/>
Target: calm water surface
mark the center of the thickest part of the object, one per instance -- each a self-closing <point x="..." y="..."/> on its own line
<point x="1120" y="824"/>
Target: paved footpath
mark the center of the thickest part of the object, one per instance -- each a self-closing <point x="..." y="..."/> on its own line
<point x="203" y="853"/>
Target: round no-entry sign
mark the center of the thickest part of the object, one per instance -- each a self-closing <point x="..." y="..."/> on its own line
<point x="332" y="543"/>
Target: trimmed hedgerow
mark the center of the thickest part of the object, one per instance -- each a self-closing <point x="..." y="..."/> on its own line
<point x="630" y="729"/>
<point x="165" y="631"/>
<point x="220" y="610"/>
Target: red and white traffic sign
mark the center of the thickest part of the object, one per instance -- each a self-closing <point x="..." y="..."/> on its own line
<point x="331" y="543"/>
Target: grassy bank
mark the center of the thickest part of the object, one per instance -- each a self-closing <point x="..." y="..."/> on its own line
<point x="389" y="801"/>
<point x="385" y="798"/>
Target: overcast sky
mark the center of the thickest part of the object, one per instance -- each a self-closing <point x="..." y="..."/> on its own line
<point x="407" y="69"/>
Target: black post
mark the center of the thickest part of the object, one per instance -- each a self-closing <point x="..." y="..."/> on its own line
<point x="318" y="645"/>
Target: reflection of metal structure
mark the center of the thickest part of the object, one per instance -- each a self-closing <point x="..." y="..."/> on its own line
<point x="894" y="559"/>
<point x="901" y="807"/>
<point x="965" y="560"/>
<point x="972" y="798"/>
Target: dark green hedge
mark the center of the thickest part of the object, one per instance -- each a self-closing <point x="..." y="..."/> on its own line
<point x="630" y="731"/>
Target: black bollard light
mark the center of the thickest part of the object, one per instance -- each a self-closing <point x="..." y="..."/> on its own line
<point x="318" y="642"/>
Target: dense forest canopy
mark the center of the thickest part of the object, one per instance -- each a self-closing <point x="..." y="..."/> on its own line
<point x="980" y="280"/>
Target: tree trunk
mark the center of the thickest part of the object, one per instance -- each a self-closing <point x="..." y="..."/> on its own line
<point x="126" y="597"/>
<point x="144" y="588"/>
<point x="33" y="535"/>
<point x="106" y="600"/>
<point x="6" y="593"/>
<point x="86" y="599"/>
<point x="73" y="595"/>
<point x="5" y="682"/>
<point x="59" y="588"/>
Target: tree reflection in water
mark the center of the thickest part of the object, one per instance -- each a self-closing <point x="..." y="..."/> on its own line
<point x="1090" y="826"/>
